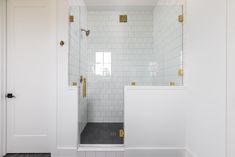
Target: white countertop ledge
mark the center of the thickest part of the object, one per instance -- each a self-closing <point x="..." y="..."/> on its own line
<point x="101" y="148"/>
<point x="154" y="87"/>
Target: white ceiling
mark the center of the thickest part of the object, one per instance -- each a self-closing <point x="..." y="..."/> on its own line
<point x="121" y="2"/>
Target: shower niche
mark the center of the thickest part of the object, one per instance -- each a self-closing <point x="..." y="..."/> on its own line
<point x="111" y="47"/>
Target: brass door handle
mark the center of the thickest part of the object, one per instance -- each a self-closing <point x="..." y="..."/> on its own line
<point x="84" y="86"/>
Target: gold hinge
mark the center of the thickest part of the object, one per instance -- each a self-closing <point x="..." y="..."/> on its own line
<point x="181" y="18"/>
<point x="121" y="133"/>
<point x="123" y="18"/>
<point x="71" y="18"/>
<point x="74" y="83"/>
<point x="181" y="72"/>
<point x="172" y="84"/>
<point x="133" y="83"/>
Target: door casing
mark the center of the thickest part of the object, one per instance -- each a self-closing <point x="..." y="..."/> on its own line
<point x="3" y="82"/>
<point x="3" y="77"/>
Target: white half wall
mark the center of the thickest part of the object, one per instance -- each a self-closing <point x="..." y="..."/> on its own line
<point x="154" y="119"/>
<point x="67" y="109"/>
<point x="68" y="97"/>
<point x="205" y="77"/>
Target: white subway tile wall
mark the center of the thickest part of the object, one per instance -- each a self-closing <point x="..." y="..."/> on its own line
<point x="168" y="44"/>
<point x="118" y="54"/>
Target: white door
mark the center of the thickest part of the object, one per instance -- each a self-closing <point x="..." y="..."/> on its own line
<point x="31" y="75"/>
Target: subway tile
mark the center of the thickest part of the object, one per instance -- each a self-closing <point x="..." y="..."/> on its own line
<point x="133" y="46"/>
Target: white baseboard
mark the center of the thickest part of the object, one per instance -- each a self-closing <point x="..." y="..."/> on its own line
<point x="155" y="152"/>
<point x="65" y="152"/>
<point x="190" y="153"/>
<point x="127" y="152"/>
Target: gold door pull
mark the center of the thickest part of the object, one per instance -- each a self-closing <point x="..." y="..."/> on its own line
<point x="84" y="86"/>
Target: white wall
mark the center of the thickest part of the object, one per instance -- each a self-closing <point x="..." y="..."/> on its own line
<point x="1" y="35"/>
<point x="205" y="78"/>
<point x="230" y="79"/>
<point x="131" y="47"/>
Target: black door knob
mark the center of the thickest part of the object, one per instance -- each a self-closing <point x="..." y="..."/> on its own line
<point x="10" y="95"/>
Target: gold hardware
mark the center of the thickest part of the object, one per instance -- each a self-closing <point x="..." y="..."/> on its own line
<point x="74" y="83"/>
<point x="61" y="43"/>
<point x="172" y="84"/>
<point x="133" y="83"/>
<point x="71" y="18"/>
<point x="81" y="79"/>
<point x="121" y="133"/>
<point x="181" y="72"/>
<point x="181" y="18"/>
<point x="84" y="88"/>
<point x="123" y="18"/>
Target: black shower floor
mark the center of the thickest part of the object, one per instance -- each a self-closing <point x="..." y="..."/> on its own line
<point x="102" y="133"/>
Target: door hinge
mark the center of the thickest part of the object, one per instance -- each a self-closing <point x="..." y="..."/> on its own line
<point x="181" y="72"/>
<point x="181" y="18"/>
<point x="71" y="18"/>
<point x="172" y="84"/>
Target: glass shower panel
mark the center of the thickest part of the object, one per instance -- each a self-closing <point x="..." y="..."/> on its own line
<point x="130" y="46"/>
<point x="74" y="45"/>
<point x="167" y="64"/>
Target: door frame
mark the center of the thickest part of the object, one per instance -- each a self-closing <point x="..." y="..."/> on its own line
<point x="3" y="76"/>
<point x="230" y="109"/>
<point x="3" y="84"/>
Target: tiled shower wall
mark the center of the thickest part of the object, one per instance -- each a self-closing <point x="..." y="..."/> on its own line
<point x="168" y="44"/>
<point x="127" y="50"/>
<point x="78" y="57"/>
